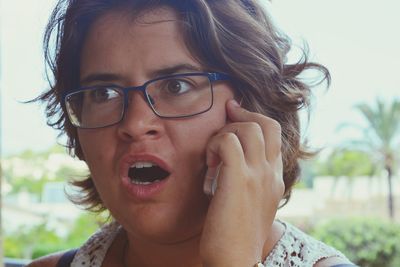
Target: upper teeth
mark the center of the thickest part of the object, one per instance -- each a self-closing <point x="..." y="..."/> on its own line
<point x="143" y="164"/>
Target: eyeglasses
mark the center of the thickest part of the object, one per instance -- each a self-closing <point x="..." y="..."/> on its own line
<point x="172" y="96"/>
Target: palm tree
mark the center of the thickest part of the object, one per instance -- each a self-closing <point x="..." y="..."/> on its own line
<point x="346" y="163"/>
<point x="382" y="138"/>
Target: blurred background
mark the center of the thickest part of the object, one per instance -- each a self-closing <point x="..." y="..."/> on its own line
<point x="348" y="195"/>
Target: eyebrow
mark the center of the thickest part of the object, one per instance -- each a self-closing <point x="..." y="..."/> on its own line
<point x="101" y="77"/>
<point x="179" y="68"/>
<point x="163" y="71"/>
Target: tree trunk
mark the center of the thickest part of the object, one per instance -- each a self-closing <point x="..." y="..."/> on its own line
<point x="390" y="192"/>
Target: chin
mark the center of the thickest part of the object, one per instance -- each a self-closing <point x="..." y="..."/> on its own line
<point x="165" y="226"/>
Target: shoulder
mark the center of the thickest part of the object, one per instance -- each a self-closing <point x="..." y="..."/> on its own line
<point x="333" y="262"/>
<point x="47" y="261"/>
<point x="304" y="250"/>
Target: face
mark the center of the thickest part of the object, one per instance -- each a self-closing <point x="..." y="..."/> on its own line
<point x="128" y="52"/>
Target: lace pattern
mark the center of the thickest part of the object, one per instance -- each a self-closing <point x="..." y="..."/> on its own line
<point x="294" y="249"/>
<point x="92" y="253"/>
<point x="297" y="249"/>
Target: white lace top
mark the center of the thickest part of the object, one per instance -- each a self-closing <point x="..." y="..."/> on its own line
<point x="294" y="249"/>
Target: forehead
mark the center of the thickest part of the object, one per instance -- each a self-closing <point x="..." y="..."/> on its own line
<point x="142" y="17"/>
<point x="120" y="42"/>
<point x="133" y="24"/>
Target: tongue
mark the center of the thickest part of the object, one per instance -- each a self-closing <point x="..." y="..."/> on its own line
<point x="148" y="174"/>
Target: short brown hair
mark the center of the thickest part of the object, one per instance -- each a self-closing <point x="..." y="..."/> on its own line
<point x="232" y="36"/>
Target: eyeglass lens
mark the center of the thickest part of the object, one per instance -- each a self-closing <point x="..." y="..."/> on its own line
<point x="176" y="96"/>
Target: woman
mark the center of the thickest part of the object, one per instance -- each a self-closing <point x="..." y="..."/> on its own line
<point x="186" y="115"/>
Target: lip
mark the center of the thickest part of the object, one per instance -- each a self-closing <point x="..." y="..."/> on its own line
<point x="142" y="192"/>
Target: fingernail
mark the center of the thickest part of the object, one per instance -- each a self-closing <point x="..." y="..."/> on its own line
<point x="211" y="180"/>
<point x="207" y="187"/>
<point x="234" y="103"/>
<point x="214" y="186"/>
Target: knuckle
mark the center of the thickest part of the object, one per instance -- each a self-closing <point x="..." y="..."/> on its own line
<point x="280" y="184"/>
<point x="274" y="177"/>
<point x="267" y="122"/>
<point x="228" y="137"/>
<point x="253" y="179"/>
<point x="260" y="117"/>
<point x="275" y="125"/>
<point x="250" y="182"/>
<point x="254" y="130"/>
<point x="254" y="126"/>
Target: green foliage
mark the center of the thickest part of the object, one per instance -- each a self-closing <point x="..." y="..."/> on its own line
<point x="301" y="185"/>
<point x="29" y="171"/>
<point x="32" y="155"/>
<point x="27" y="184"/>
<point x="46" y="249"/>
<point x="40" y="240"/>
<point x="28" y="154"/>
<point x="308" y="172"/>
<point x="21" y="243"/>
<point x="384" y="122"/>
<point x="345" y="162"/>
<point x="367" y="242"/>
<point x="382" y="138"/>
<point x="11" y="248"/>
<point x="83" y="227"/>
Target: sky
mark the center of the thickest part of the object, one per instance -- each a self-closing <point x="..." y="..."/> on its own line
<point x="358" y="40"/>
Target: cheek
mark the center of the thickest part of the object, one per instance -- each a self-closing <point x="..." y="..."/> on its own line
<point x="195" y="132"/>
<point x="96" y="147"/>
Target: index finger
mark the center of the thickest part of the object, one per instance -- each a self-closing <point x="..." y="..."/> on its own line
<point x="271" y="128"/>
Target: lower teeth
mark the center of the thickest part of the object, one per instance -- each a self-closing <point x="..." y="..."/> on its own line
<point x="134" y="181"/>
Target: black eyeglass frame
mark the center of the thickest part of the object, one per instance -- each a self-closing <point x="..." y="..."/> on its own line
<point x="212" y="76"/>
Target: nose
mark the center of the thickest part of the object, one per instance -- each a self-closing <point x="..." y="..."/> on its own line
<point x="139" y="122"/>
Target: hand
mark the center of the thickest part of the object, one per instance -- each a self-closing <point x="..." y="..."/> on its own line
<point x="247" y="153"/>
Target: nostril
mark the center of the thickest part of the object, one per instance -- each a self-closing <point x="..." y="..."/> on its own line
<point x="152" y="132"/>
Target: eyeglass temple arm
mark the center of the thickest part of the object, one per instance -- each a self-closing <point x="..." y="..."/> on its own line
<point x="217" y="76"/>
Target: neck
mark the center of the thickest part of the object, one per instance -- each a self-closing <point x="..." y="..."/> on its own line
<point x="145" y="253"/>
<point x="185" y="253"/>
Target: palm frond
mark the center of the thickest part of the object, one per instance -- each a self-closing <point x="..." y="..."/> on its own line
<point x="383" y="121"/>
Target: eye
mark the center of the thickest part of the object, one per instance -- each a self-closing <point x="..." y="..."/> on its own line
<point x="177" y="87"/>
<point x="103" y="94"/>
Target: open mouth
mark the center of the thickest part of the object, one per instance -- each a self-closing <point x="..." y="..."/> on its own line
<point x="144" y="173"/>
